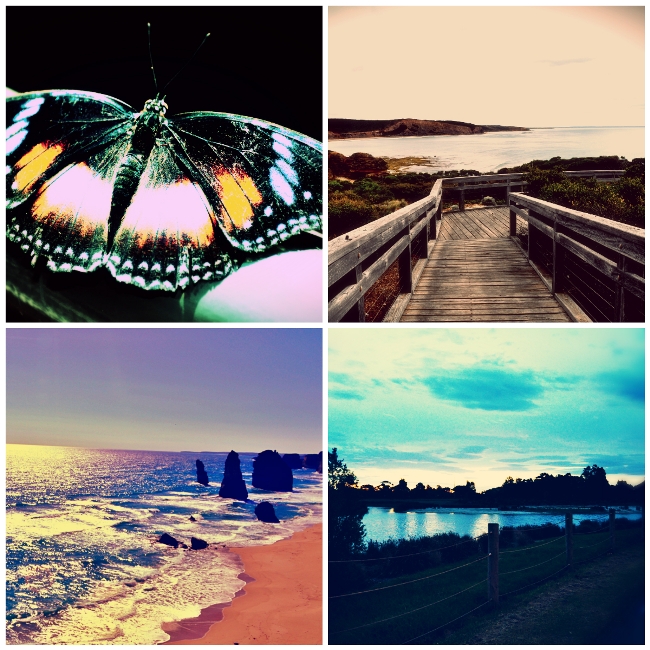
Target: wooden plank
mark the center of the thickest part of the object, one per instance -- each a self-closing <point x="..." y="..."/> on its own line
<point x="481" y="280"/>
<point x="396" y="310"/>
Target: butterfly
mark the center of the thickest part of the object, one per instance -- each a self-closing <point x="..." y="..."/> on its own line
<point x="162" y="202"/>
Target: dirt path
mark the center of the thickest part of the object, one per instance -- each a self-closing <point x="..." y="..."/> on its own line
<point x="599" y="603"/>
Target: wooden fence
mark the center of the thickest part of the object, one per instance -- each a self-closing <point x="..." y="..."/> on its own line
<point x="595" y="267"/>
<point x="359" y="258"/>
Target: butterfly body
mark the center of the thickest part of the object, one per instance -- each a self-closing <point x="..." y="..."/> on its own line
<point x="161" y="202"/>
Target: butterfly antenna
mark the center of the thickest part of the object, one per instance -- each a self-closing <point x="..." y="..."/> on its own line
<point x="188" y="61"/>
<point x="155" y="82"/>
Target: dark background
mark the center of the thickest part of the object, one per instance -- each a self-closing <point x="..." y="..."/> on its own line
<point x="263" y="62"/>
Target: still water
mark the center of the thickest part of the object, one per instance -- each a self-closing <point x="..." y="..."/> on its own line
<point x="489" y="152"/>
<point x="383" y="524"/>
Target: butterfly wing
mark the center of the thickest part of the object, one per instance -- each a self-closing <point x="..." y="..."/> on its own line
<point x="263" y="181"/>
<point x="63" y="151"/>
<point x="46" y="130"/>
<point x="168" y="237"/>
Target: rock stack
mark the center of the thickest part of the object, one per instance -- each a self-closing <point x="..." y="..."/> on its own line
<point x="314" y="461"/>
<point x="271" y="473"/>
<point x="294" y="461"/>
<point x="201" y="474"/>
<point x="233" y="486"/>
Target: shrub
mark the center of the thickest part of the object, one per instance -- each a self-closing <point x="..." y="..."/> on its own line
<point x="488" y="200"/>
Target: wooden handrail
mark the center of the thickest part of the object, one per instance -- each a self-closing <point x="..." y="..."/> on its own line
<point x="347" y="253"/>
<point x="605" y="245"/>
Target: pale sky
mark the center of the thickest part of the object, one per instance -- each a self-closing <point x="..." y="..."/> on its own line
<point x="444" y="406"/>
<point x="518" y="66"/>
<point x="171" y="389"/>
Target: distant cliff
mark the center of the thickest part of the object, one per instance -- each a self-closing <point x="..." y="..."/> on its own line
<point x="343" y="128"/>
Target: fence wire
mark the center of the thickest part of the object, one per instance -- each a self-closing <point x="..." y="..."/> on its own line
<point x="532" y="566"/>
<point x="445" y="625"/>
<point x="410" y="582"/>
<point x="534" y="547"/>
<point x="412" y="611"/>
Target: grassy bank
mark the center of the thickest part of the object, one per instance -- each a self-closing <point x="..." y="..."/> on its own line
<point x="421" y="606"/>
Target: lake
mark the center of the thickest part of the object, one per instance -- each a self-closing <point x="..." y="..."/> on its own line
<point x="488" y="152"/>
<point x="383" y="524"/>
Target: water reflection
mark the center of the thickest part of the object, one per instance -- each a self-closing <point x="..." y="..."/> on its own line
<point x="386" y="523"/>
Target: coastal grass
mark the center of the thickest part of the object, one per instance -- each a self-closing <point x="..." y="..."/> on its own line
<point x="421" y="607"/>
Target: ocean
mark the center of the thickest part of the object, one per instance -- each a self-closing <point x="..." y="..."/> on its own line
<point x="489" y="152"/>
<point x="383" y="524"/>
<point x="83" y="563"/>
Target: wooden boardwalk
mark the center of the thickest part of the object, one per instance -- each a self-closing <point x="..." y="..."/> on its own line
<point x="477" y="273"/>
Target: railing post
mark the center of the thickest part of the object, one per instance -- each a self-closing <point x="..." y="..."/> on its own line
<point x="619" y="300"/>
<point x="612" y="529"/>
<point x="513" y="218"/>
<point x="361" y="304"/>
<point x="493" y="563"/>
<point x="461" y="197"/>
<point x="556" y="280"/>
<point x="568" y="534"/>
<point x="405" y="267"/>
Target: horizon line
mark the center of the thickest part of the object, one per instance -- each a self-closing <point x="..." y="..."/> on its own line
<point x="166" y="451"/>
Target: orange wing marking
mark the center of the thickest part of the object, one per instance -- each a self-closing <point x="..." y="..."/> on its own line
<point x="239" y="195"/>
<point x="34" y="164"/>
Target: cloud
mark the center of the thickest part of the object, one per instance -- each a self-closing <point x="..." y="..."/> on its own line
<point x="486" y="387"/>
<point x="625" y="383"/>
<point x="345" y="394"/>
<point x="468" y="452"/>
<point x="556" y="62"/>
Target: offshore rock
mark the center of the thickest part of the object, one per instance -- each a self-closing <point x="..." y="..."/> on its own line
<point x="169" y="540"/>
<point x="271" y="473"/>
<point x="233" y="486"/>
<point x="314" y="461"/>
<point x="198" y="544"/>
<point x="294" y="461"/>
<point x="266" y="513"/>
<point x="201" y="474"/>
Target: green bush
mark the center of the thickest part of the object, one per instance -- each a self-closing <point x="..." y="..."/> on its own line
<point x="622" y="201"/>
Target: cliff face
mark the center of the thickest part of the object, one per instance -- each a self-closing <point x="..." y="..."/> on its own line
<point x="342" y="128"/>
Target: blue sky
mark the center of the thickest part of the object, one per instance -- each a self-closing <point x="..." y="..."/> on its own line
<point x="443" y="406"/>
<point x="193" y="389"/>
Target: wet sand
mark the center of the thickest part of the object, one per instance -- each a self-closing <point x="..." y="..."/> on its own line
<point x="281" y="606"/>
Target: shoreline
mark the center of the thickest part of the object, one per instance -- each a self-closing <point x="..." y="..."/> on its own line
<point x="281" y="603"/>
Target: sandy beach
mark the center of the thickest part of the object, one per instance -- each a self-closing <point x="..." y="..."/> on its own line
<point x="282" y="605"/>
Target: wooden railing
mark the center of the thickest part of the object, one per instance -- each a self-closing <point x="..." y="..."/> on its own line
<point x="511" y="181"/>
<point x="487" y="181"/>
<point x="359" y="258"/>
<point x="595" y="267"/>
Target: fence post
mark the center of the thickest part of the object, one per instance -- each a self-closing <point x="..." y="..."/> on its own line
<point x="493" y="563"/>
<point x="405" y="267"/>
<point x="568" y="533"/>
<point x="513" y="218"/>
<point x="619" y="299"/>
<point x="361" y="304"/>
<point x="555" y="279"/>
<point x="612" y="529"/>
